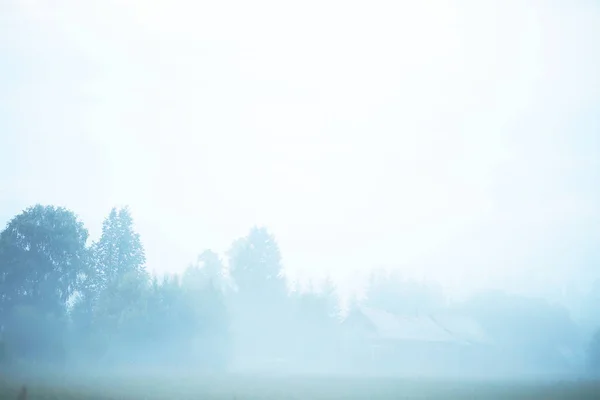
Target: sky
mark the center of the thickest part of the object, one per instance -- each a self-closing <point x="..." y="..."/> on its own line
<point x="451" y="140"/>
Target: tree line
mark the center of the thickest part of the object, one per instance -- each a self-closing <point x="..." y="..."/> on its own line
<point x="66" y="301"/>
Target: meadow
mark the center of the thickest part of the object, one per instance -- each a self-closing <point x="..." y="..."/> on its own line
<point x="297" y="388"/>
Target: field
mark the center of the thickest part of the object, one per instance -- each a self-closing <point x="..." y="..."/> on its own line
<point x="297" y="388"/>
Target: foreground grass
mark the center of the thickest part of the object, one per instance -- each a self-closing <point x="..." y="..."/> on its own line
<point x="297" y="388"/>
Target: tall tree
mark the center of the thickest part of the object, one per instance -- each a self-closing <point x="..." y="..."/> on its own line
<point x="316" y="325"/>
<point x="261" y="304"/>
<point x="43" y="256"/>
<point x="42" y="259"/>
<point x="208" y="269"/>
<point x="255" y="263"/>
<point x="204" y="291"/>
<point x="112" y="301"/>
<point x="118" y="253"/>
<point x="119" y="250"/>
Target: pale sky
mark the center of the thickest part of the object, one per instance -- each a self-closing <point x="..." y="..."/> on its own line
<point x="456" y="140"/>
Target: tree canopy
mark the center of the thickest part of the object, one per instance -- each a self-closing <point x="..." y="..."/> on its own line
<point x="65" y="301"/>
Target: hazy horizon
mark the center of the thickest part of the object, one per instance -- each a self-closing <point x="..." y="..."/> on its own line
<point x="457" y="142"/>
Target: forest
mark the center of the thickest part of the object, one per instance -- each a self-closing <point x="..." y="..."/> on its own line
<point x="69" y="304"/>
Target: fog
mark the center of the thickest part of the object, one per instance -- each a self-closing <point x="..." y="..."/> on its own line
<point x="77" y="310"/>
<point x="322" y="188"/>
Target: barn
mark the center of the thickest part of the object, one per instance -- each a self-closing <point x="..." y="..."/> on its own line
<point x="418" y="344"/>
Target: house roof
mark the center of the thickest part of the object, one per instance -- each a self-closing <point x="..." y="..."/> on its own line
<point x="425" y="328"/>
<point x="464" y="327"/>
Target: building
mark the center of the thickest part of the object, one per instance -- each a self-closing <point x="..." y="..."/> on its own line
<point x="420" y="344"/>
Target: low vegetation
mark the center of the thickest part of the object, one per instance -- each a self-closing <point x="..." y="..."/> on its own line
<point x="241" y="388"/>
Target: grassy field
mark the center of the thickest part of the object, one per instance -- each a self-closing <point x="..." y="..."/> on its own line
<point x="254" y="387"/>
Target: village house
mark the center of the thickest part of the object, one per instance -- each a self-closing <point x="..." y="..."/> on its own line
<point x="419" y="344"/>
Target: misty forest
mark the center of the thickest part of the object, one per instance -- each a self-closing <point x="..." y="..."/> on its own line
<point x="70" y="305"/>
<point x="315" y="200"/>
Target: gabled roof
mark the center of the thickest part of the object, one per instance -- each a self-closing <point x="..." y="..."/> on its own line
<point x="468" y="329"/>
<point x="424" y="328"/>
